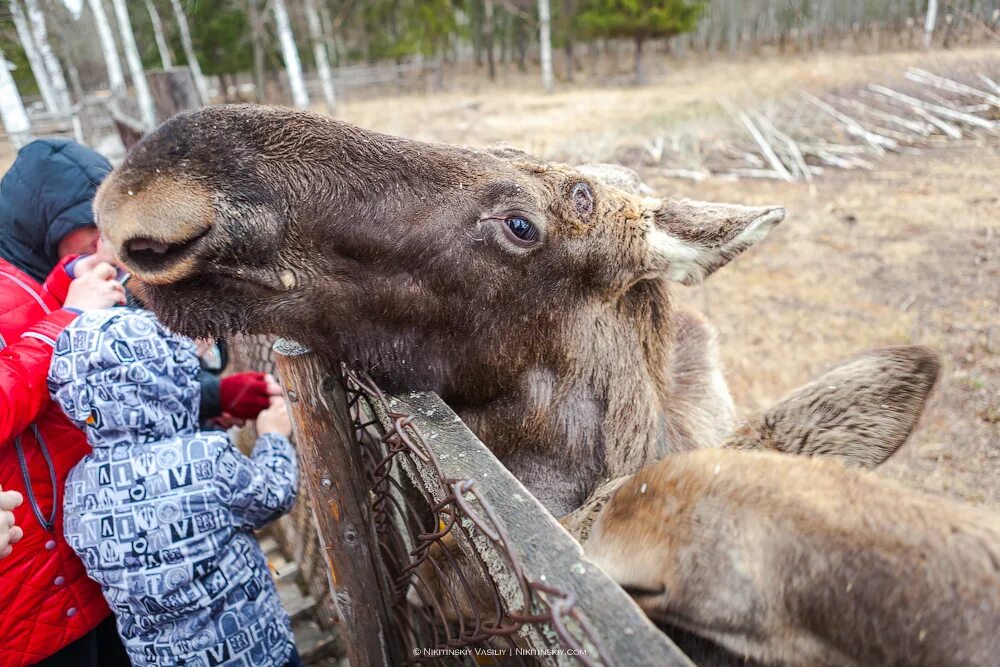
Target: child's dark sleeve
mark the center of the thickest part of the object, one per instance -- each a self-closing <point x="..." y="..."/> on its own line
<point x="260" y="488"/>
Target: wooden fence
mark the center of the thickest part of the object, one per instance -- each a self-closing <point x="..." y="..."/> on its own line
<point x="434" y="552"/>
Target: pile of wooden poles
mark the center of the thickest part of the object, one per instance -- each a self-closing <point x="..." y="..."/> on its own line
<point x="851" y="130"/>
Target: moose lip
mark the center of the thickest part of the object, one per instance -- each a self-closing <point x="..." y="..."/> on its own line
<point x="150" y="256"/>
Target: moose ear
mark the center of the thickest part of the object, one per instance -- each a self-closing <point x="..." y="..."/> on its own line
<point x="861" y="411"/>
<point x="616" y="176"/>
<point x="689" y="240"/>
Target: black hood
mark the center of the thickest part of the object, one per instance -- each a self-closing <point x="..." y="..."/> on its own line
<point x="47" y="193"/>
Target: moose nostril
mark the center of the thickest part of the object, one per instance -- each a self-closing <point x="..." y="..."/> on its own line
<point x="141" y="244"/>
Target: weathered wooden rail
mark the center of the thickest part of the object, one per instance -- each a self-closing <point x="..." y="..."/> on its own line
<point x="404" y="496"/>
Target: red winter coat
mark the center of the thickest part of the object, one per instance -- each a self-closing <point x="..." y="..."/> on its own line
<point x="46" y="599"/>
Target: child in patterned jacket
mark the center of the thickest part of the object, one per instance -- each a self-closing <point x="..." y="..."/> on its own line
<point x="162" y="514"/>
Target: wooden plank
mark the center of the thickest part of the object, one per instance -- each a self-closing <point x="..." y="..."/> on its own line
<point x="333" y="469"/>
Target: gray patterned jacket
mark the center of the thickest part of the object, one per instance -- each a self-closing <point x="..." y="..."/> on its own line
<point x="160" y="513"/>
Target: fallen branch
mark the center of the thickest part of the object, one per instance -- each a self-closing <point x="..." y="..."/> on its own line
<point x="963" y="117"/>
<point x="765" y="147"/>
<point x="912" y="125"/>
<point x="696" y="175"/>
<point x="876" y="141"/>
<point x="952" y="131"/>
<point x="990" y="82"/>
<point x="943" y="83"/>
<point x="795" y="155"/>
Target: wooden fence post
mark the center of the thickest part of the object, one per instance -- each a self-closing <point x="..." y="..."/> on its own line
<point x="332" y="467"/>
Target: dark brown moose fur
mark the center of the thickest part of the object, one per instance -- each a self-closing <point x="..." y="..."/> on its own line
<point x="795" y="561"/>
<point x="567" y="355"/>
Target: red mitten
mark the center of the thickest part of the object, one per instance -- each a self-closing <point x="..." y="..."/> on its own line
<point x="244" y="395"/>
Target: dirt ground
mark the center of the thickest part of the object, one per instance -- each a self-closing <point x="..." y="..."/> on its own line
<point x="907" y="253"/>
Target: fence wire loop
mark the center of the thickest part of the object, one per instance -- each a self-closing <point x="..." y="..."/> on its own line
<point x="433" y="532"/>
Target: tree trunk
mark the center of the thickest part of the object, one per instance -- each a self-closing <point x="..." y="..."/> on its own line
<point x="570" y="11"/>
<point x="116" y="76"/>
<point x="147" y="112"/>
<point x="290" y="54"/>
<point x="12" y="113"/>
<point x="488" y="29"/>
<point x="929" y="21"/>
<point x="545" y="42"/>
<point x="192" y="60"/>
<point x="161" y="40"/>
<point x="329" y="33"/>
<point x="34" y="58"/>
<point x="521" y="41"/>
<point x="40" y="34"/>
<point x="640" y="77"/>
<point x="257" y="41"/>
<point x="320" y="55"/>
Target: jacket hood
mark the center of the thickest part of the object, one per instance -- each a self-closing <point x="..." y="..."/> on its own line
<point x="47" y="193"/>
<point x="124" y="378"/>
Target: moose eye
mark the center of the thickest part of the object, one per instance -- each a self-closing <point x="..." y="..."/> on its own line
<point x="521" y="228"/>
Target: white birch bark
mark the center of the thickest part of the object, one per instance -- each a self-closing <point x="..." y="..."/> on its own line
<point x="293" y="66"/>
<point x="199" y="79"/>
<point x="161" y="40"/>
<point x="932" y="7"/>
<point x="116" y="76"/>
<point x="321" y="56"/>
<point x="12" y="113"/>
<point x="34" y="59"/>
<point x="147" y="112"/>
<point x="40" y="34"/>
<point x="545" y="42"/>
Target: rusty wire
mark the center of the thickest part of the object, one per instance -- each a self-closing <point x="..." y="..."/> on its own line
<point x="418" y="530"/>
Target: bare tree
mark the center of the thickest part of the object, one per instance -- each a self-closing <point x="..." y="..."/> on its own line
<point x="40" y="35"/>
<point x="545" y="42"/>
<point x="192" y="60"/>
<point x="290" y="54"/>
<point x="320" y="55"/>
<point x="257" y="40"/>
<point x="34" y="59"/>
<point x="116" y="76"/>
<point x="12" y="113"/>
<point x="161" y="40"/>
<point x="489" y="28"/>
<point x="932" y="7"/>
<point x="147" y="112"/>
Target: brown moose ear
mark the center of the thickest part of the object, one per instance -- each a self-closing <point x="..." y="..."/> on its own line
<point x="616" y="176"/>
<point x="690" y="240"/>
<point x="861" y="411"/>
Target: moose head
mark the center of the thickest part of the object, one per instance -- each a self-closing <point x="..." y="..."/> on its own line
<point x="273" y="220"/>
<point x="533" y="297"/>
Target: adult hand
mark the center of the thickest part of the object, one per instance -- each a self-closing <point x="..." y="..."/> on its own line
<point x="275" y="419"/>
<point x="95" y="290"/>
<point x="244" y="395"/>
<point x="9" y="533"/>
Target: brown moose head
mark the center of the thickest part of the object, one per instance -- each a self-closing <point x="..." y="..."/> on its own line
<point x="272" y="220"/>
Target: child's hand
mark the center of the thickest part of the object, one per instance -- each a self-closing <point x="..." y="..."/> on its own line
<point x="275" y="419"/>
<point x="96" y="289"/>
<point x="9" y="533"/>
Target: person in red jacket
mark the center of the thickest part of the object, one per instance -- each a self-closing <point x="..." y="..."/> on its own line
<point x="51" y="614"/>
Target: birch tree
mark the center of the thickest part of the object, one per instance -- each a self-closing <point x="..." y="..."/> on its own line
<point x="161" y="40"/>
<point x="12" y="113"/>
<point x="932" y="7"/>
<point x="116" y="76"/>
<point x="34" y="59"/>
<point x="192" y="60"/>
<point x="545" y="42"/>
<point x="320" y="55"/>
<point x="290" y="54"/>
<point x="147" y="112"/>
<point x="40" y="35"/>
